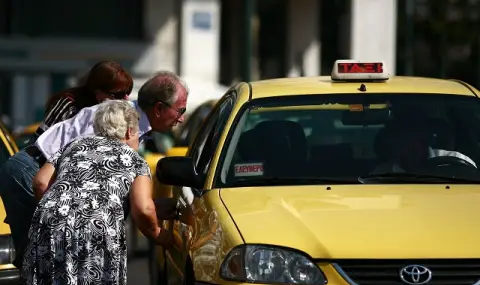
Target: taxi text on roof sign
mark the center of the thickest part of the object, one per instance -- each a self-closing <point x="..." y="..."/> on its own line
<point x="358" y="70"/>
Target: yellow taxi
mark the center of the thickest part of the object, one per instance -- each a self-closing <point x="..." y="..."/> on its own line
<point x="355" y="178"/>
<point x="8" y="273"/>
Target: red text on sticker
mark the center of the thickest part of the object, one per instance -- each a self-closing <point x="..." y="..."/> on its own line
<point x="249" y="169"/>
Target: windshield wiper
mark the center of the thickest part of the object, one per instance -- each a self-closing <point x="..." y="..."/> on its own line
<point x="414" y="178"/>
<point x="275" y="181"/>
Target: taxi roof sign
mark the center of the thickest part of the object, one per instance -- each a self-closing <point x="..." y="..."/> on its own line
<point x="359" y="70"/>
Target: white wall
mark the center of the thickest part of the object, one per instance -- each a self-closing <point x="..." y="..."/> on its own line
<point x="161" y="25"/>
<point x="303" y="51"/>
<point x="374" y="31"/>
<point x="200" y="39"/>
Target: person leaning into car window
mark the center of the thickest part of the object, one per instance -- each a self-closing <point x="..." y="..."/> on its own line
<point x="407" y="145"/>
<point x="106" y="80"/>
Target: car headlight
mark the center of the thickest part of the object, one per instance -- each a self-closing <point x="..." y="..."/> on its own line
<point x="270" y="264"/>
<point x="7" y="250"/>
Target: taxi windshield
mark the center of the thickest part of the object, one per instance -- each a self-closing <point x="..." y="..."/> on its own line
<point x="352" y="139"/>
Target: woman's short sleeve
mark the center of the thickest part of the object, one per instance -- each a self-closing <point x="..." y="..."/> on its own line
<point x="142" y="168"/>
<point x="55" y="158"/>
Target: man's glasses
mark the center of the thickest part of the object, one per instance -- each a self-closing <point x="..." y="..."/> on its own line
<point x="180" y="111"/>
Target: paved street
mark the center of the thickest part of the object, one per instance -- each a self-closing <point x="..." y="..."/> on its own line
<point x="138" y="266"/>
<point x="138" y="271"/>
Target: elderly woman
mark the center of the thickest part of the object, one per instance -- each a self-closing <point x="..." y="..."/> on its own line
<point x="77" y="235"/>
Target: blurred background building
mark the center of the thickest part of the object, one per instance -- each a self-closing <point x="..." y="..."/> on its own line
<point x="44" y="44"/>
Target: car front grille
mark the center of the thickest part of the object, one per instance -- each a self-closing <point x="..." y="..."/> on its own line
<point x="387" y="272"/>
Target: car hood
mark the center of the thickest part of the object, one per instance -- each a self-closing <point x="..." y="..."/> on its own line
<point x="361" y="221"/>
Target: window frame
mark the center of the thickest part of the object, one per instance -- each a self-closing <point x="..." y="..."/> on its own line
<point x="215" y="122"/>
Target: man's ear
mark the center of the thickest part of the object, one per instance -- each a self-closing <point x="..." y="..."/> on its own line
<point x="157" y="109"/>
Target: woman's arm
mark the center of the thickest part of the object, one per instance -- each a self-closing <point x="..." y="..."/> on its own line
<point x="42" y="181"/>
<point x="144" y="214"/>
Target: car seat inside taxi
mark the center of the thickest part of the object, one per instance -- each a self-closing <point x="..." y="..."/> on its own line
<point x="348" y="136"/>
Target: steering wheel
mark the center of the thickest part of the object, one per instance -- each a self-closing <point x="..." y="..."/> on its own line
<point x="440" y="161"/>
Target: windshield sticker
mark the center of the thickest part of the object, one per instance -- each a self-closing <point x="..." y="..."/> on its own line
<point x="355" y="107"/>
<point x="248" y="169"/>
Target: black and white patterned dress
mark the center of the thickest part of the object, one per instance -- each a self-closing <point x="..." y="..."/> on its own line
<point x="77" y="235"/>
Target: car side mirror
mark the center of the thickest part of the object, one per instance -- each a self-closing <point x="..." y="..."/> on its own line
<point x="178" y="171"/>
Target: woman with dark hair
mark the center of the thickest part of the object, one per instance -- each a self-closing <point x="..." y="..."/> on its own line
<point x="106" y="80"/>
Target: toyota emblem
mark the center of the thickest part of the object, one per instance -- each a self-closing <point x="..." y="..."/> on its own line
<point x="415" y="274"/>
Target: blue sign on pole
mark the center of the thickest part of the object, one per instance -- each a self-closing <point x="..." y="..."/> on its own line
<point x="202" y="20"/>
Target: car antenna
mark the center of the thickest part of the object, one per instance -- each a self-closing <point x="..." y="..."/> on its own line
<point x="362" y="88"/>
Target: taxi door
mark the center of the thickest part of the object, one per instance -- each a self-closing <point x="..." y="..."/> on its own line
<point x="195" y="223"/>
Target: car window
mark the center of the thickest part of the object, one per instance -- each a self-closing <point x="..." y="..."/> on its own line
<point x="160" y="142"/>
<point x="23" y="140"/>
<point x="206" y="142"/>
<point x="190" y="129"/>
<point x="197" y="122"/>
<point x="350" y="136"/>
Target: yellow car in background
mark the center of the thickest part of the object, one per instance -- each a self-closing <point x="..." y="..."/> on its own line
<point x="356" y="178"/>
<point x="9" y="274"/>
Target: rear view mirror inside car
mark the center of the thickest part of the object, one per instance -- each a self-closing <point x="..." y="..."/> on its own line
<point x="366" y="117"/>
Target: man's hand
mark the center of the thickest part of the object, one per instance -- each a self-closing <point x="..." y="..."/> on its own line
<point x="165" y="239"/>
<point x="186" y="216"/>
<point x="166" y="208"/>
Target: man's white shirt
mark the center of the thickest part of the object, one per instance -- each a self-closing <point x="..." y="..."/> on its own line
<point x="62" y="133"/>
